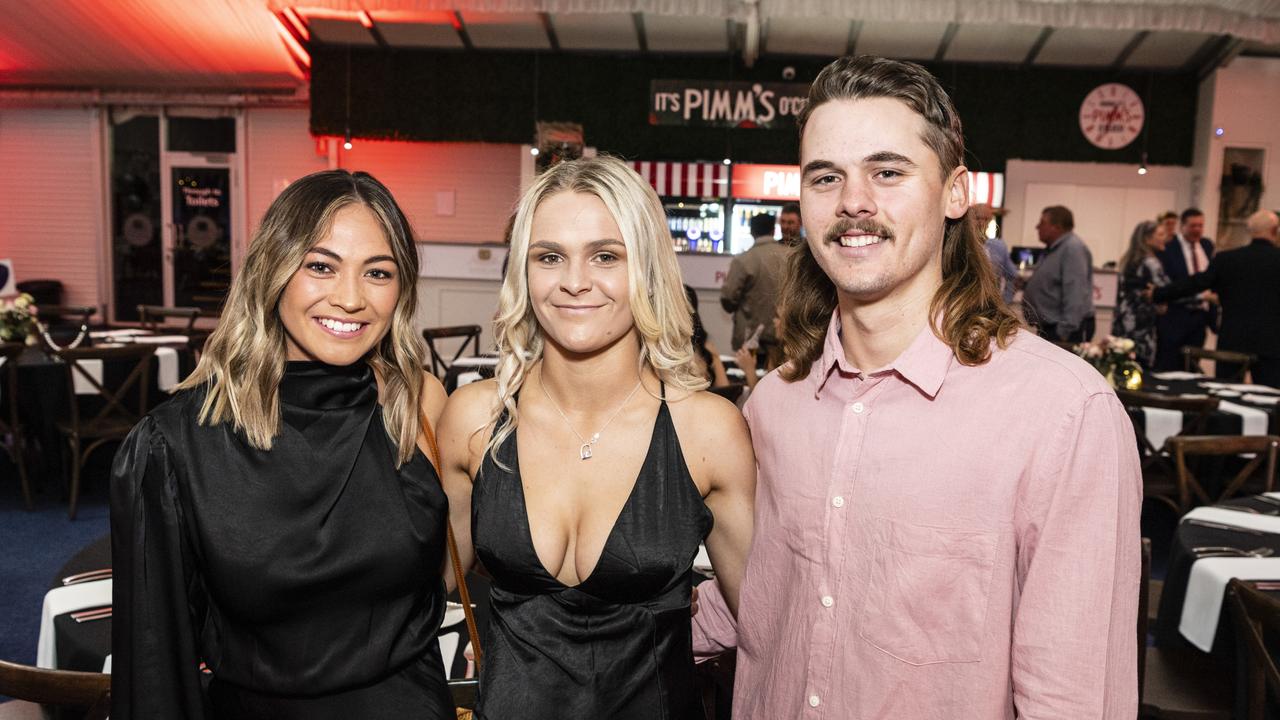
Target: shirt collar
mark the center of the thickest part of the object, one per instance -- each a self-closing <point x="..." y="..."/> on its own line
<point x="924" y="363"/>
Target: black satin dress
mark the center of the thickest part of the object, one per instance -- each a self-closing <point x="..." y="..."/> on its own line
<point x="617" y="646"/>
<point x="306" y="577"/>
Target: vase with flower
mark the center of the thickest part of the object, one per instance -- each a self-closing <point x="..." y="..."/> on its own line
<point x="1115" y="358"/>
<point x="18" y="319"/>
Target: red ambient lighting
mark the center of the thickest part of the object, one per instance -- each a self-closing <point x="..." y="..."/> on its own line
<point x="299" y="53"/>
<point x="366" y="20"/>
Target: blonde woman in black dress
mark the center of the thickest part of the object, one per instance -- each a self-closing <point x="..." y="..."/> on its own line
<point x="589" y="470"/>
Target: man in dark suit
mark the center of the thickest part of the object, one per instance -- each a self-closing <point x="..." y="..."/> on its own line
<point x="1186" y="320"/>
<point x="1247" y="281"/>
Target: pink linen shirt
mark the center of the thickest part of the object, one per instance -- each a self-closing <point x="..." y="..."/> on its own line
<point x="936" y="540"/>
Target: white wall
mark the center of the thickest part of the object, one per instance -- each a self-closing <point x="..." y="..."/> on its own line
<point x="1245" y="103"/>
<point x="481" y="181"/>
<point x="1107" y="200"/>
<point x="52" y="217"/>
<point x="279" y="149"/>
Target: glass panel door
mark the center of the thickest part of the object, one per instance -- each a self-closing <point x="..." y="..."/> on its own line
<point x="200" y="237"/>
<point x="136" y="258"/>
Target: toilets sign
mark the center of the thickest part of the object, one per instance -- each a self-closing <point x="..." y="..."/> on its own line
<point x="717" y="103"/>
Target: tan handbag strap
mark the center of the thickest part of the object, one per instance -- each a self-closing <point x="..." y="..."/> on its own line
<point x="458" y="575"/>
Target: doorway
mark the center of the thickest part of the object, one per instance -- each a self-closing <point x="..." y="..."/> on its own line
<point x="175" y="208"/>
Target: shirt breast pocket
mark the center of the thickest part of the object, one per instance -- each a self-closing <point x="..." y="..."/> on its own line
<point x="928" y="592"/>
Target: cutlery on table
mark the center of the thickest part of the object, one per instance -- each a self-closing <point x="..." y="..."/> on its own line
<point x="1228" y="551"/>
<point x="100" y="574"/>
<point x="91" y="614"/>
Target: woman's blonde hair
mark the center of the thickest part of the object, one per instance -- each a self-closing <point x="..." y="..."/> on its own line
<point x="244" y="359"/>
<point x="659" y="308"/>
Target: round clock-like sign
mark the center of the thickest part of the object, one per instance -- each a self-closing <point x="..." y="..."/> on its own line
<point x="1111" y="116"/>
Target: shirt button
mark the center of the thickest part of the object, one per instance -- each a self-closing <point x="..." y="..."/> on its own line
<point x="859" y="407"/>
<point x="828" y="601"/>
<point x="814" y="701"/>
<point x="837" y="501"/>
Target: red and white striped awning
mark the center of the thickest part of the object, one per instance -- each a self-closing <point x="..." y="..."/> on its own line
<point x="986" y="187"/>
<point x="678" y="179"/>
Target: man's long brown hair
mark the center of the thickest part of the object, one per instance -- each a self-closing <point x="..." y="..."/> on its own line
<point x="967" y="311"/>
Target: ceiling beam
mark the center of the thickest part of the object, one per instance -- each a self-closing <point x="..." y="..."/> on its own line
<point x="1038" y="45"/>
<point x="461" y="28"/>
<point x="550" y="30"/>
<point x="851" y="43"/>
<point x="945" y="43"/>
<point x="1213" y="54"/>
<point x="1128" y="49"/>
<point x="642" y="38"/>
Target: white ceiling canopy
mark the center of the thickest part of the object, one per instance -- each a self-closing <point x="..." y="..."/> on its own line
<point x="197" y="45"/>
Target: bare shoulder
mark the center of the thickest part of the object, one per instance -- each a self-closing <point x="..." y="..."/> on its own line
<point x="470" y="406"/>
<point x="710" y="419"/>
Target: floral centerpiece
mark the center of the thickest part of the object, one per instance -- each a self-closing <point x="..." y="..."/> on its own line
<point x="1115" y="358"/>
<point x="18" y="319"/>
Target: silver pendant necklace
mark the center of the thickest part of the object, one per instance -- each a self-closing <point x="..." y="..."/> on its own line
<point x="584" y="450"/>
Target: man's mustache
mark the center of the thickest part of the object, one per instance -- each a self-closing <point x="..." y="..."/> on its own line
<point x="846" y="225"/>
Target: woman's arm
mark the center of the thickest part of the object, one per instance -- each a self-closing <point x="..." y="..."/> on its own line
<point x="722" y="455"/>
<point x="719" y="378"/>
<point x="154" y="658"/>
<point x="462" y="439"/>
<point x="747" y="362"/>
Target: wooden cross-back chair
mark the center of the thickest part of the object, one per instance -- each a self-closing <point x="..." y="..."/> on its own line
<point x="67" y="314"/>
<point x="121" y="405"/>
<point x="1263" y="448"/>
<point x="64" y="688"/>
<point x="1191" y="357"/>
<point x="470" y="335"/>
<point x="1159" y="475"/>
<point x="1256" y="615"/>
<point x="153" y="317"/>
<point x="10" y="421"/>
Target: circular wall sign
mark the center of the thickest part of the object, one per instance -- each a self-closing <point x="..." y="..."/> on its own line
<point x="1111" y="116"/>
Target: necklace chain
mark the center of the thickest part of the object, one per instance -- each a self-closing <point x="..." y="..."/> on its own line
<point x="584" y="450"/>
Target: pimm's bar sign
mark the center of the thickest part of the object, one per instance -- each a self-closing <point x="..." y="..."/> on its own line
<point x="718" y="103"/>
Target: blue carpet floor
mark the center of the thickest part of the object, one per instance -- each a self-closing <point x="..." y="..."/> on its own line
<point x="34" y="545"/>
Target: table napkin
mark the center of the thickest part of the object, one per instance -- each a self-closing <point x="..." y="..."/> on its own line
<point x="1255" y="420"/>
<point x="122" y="332"/>
<point x="1176" y="375"/>
<point x="81" y="383"/>
<point x="702" y="561"/>
<point x="467" y="378"/>
<point x="167" y="359"/>
<point x="1206" y="589"/>
<point x="1241" y="387"/>
<point x="60" y="601"/>
<point x="1262" y="399"/>
<point x="1161" y="424"/>
<point x="162" y="340"/>
<point x="1234" y="518"/>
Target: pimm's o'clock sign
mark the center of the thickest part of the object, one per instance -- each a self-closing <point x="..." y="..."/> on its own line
<point x="719" y="103"/>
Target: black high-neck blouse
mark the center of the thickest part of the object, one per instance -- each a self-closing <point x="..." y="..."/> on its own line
<point x="306" y="577"/>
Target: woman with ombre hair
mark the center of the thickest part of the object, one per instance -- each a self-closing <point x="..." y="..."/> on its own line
<point x="587" y="472"/>
<point x="276" y="520"/>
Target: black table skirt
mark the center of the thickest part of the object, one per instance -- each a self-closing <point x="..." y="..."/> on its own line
<point x="83" y="646"/>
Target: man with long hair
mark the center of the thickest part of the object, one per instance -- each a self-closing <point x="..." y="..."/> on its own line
<point x="947" y="505"/>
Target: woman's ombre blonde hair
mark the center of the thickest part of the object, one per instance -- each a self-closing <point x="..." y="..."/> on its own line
<point x="659" y="307"/>
<point x="244" y="359"/>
